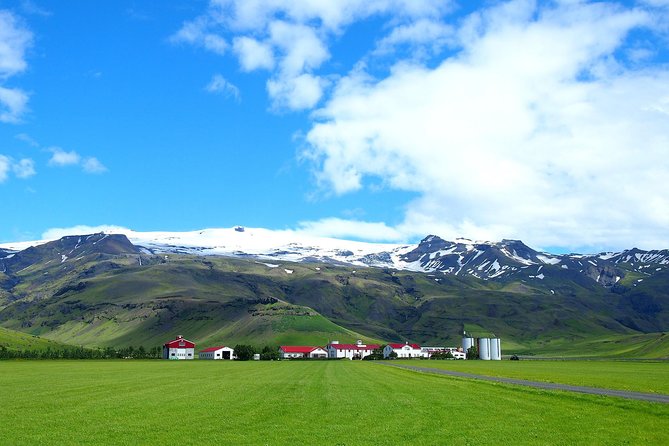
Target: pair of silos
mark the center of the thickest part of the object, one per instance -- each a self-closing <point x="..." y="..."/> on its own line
<point x="488" y="348"/>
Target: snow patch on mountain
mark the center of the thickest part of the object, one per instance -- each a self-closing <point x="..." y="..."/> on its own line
<point x="507" y="259"/>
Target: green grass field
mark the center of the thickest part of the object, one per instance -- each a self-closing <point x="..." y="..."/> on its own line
<point x="650" y="377"/>
<point x="327" y="402"/>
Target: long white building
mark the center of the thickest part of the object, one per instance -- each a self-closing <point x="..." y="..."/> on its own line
<point x="350" y="351"/>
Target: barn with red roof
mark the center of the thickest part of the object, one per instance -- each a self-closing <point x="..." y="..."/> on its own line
<point x="179" y="348"/>
<point x="359" y="350"/>
<point x="302" y="351"/>
<point x="405" y="350"/>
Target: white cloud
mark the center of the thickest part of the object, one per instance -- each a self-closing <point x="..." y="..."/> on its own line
<point x="215" y="43"/>
<point x="350" y="229"/>
<point x="252" y="54"/>
<point x="531" y="130"/>
<point x="5" y="167"/>
<point x="93" y="165"/>
<point x="220" y="85"/>
<point x="15" y="39"/>
<point x="296" y="93"/>
<point x="24" y="168"/>
<point x="57" y="233"/>
<point x="27" y="139"/>
<point x="291" y="38"/>
<point x="13" y="104"/>
<point x="60" y="157"/>
<point x="420" y="34"/>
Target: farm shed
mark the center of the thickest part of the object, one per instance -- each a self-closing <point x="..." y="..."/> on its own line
<point x="221" y="352"/>
<point x="179" y="348"/>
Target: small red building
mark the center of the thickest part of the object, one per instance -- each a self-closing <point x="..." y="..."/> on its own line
<point x="180" y="348"/>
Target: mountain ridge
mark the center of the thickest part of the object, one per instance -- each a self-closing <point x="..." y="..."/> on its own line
<point x="483" y="260"/>
<point x="101" y="289"/>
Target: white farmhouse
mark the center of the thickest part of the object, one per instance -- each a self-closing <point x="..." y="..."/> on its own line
<point x="221" y="352"/>
<point x="403" y="350"/>
<point x="302" y="351"/>
<point x="350" y="351"/>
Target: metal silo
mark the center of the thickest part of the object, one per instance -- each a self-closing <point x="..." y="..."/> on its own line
<point x="495" y="351"/>
<point x="467" y="343"/>
<point x="484" y="349"/>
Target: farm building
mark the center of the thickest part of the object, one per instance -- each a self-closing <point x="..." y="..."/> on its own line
<point x="179" y="348"/>
<point x="403" y="350"/>
<point x="297" y="351"/>
<point x="222" y="352"/>
<point x="488" y="348"/>
<point x="351" y="351"/>
<point x="456" y="352"/>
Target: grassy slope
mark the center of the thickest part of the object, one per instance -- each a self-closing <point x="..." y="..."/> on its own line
<point x="636" y="346"/>
<point x="215" y="300"/>
<point x="333" y="402"/>
<point x="621" y="375"/>
<point x="16" y="340"/>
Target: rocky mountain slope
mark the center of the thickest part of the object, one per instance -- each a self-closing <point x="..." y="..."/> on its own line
<point x="508" y="259"/>
<point x="103" y="289"/>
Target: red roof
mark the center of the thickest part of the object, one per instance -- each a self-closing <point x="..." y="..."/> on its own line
<point x="399" y="346"/>
<point x="180" y="342"/>
<point x="297" y="349"/>
<point x="354" y="346"/>
<point x="212" y="349"/>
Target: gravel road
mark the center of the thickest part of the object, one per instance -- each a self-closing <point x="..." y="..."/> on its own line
<point x="652" y="397"/>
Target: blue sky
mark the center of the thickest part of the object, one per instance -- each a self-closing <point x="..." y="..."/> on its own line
<point x="384" y="121"/>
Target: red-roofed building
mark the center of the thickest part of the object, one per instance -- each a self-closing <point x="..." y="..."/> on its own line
<point x="301" y="351"/>
<point x="221" y="352"/>
<point x="180" y="348"/>
<point x="403" y="350"/>
<point x="350" y="351"/>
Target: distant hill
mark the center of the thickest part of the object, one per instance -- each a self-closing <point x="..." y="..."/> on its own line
<point x="16" y="340"/>
<point x="99" y="290"/>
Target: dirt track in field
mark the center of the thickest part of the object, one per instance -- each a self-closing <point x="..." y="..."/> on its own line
<point x="651" y="397"/>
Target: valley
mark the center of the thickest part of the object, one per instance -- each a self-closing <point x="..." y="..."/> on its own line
<point x="100" y="290"/>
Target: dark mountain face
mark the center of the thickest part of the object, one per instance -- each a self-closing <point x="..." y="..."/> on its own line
<point x="5" y="253"/>
<point x="511" y="260"/>
<point x="67" y="248"/>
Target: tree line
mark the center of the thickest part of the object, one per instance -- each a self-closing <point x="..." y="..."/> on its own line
<point x="129" y="352"/>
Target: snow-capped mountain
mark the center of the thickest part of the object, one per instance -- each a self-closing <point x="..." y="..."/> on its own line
<point x="508" y="259"/>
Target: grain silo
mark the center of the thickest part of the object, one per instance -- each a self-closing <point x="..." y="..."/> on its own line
<point x="467" y="343"/>
<point x="495" y="349"/>
<point x="484" y="349"/>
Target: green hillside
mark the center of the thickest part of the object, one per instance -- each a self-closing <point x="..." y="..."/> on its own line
<point x="119" y="298"/>
<point x="16" y="340"/>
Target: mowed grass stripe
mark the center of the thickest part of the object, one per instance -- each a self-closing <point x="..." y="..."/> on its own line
<point x="647" y="377"/>
<point x="319" y="402"/>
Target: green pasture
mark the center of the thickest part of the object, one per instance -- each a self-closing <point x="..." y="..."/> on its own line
<point x="299" y="402"/>
<point x="637" y="376"/>
<point x="633" y="346"/>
